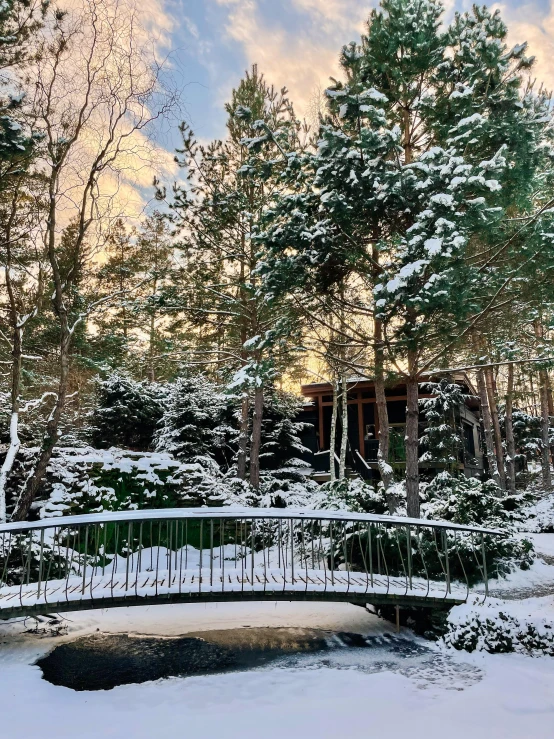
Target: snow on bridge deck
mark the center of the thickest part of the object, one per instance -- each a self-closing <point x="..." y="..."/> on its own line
<point x="217" y="585"/>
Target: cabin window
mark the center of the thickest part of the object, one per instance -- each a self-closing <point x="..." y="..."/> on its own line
<point x="469" y="439"/>
<point x="369" y="431"/>
<point x="397" y="442"/>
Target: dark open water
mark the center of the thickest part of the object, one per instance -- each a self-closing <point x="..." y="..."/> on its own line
<point x="104" y="661"/>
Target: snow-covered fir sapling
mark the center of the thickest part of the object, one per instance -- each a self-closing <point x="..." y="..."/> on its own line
<point x="283" y="471"/>
<point x="441" y="440"/>
<point x="197" y="422"/>
<point x="127" y="412"/>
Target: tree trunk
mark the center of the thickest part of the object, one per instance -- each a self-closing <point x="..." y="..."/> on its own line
<point x="487" y="426"/>
<point x="412" y="438"/>
<point x="256" y="437"/>
<point x="16" y="323"/>
<point x="14" y="419"/>
<point x="243" y="435"/>
<point x="509" y="425"/>
<point x="545" y="420"/>
<point x="545" y="432"/>
<point x="50" y="437"/>
<point x="344" y="437"/>
<point x="550" y="407"/>
<point x="151" y="368"/>
<point x="491" y="393"/>
<point x="333" y="434"/>
<point x="385" y="470"/>
<point x="152" y="340"/>
<point x="34" y="481"/>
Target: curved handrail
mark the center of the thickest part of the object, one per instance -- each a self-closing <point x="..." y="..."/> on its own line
<point x="229" y="512"/>
<point x="95" y="559"/>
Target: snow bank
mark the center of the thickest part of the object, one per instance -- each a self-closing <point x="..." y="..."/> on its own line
<point x="525" y="626"/>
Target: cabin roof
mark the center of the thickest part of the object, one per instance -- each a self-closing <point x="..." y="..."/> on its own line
<point x="315" y="389"/>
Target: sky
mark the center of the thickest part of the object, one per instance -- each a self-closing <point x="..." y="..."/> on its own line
<point x="208" y="45"/>
<point x="295" y="43"/>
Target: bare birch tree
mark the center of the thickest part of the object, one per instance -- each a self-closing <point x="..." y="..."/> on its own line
<point x="96" y="92"/>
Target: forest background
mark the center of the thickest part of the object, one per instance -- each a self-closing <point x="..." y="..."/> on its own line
<point x="404" y="230"/>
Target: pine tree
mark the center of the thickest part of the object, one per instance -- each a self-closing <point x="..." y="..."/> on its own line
<point x="154" y="253"/>
<point x="119" y="274"/>
<point x="427" y="144"/>
<point x="20" y="21"/>
<point x="242" y="331"/>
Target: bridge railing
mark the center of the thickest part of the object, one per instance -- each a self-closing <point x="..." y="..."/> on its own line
<point x="219" y="553"/>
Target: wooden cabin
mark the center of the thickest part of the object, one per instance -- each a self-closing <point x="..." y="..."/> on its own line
<point x="363" y="428"/>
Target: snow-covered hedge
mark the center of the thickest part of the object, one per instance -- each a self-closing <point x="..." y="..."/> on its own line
<point x="87" y="480"/>
<point x="94" y="480"/>
<point x="127" y="412"/>
<point x="526" y="627"/>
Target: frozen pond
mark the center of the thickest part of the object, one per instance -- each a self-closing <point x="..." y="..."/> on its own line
<point x="299" y="670"/>
<point x="104" y="661"/>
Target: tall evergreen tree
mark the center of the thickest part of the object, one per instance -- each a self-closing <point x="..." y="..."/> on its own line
<point x="428" y="142"/>
<point x="243" y="331"/>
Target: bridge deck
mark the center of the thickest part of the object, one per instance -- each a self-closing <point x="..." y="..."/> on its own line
<point x="105" y="591"/>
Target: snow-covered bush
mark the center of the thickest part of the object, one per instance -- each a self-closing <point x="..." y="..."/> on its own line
<point x="441" y="440"/>
<point x="127" y="412"/>
<point x="470" y="501"/>
<point x="350" y="494"/>
<point x="448" y="498"/>
<point x="497" y="626"/>
<point x="197" y="422"/>
<point x="473" y="502"/>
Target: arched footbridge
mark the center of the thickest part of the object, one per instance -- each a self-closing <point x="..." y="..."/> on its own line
<point x="187" y="555"/>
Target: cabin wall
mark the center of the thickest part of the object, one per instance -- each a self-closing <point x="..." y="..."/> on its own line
<point x="363" y="432"/>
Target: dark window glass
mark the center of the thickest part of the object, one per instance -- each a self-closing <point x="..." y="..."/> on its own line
<point x="469" y="440"/>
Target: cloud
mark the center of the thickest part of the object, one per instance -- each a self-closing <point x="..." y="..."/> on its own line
<point x="300" y="48"/>
<point x="126" y="186"/>
<point x="526" y="22"/>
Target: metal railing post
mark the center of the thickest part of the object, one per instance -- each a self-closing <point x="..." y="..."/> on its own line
<point x="325" y="539"/>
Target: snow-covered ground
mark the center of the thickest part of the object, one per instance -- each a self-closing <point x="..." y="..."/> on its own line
<point x="445" y="694"/>
<point x="434" y="694"/>
<point x="543" y="543"/>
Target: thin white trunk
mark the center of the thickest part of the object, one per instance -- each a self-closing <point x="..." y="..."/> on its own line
<point x="545" y="419"/>
<point x="344" y="437"/>
<point x="493" y="409"/>
<point x="487" y="427"/>
<point x="333" y="435"/>
<point x="509" y="426"/>
<point x="545" y="434"/>
<point x="8" y="463"/>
